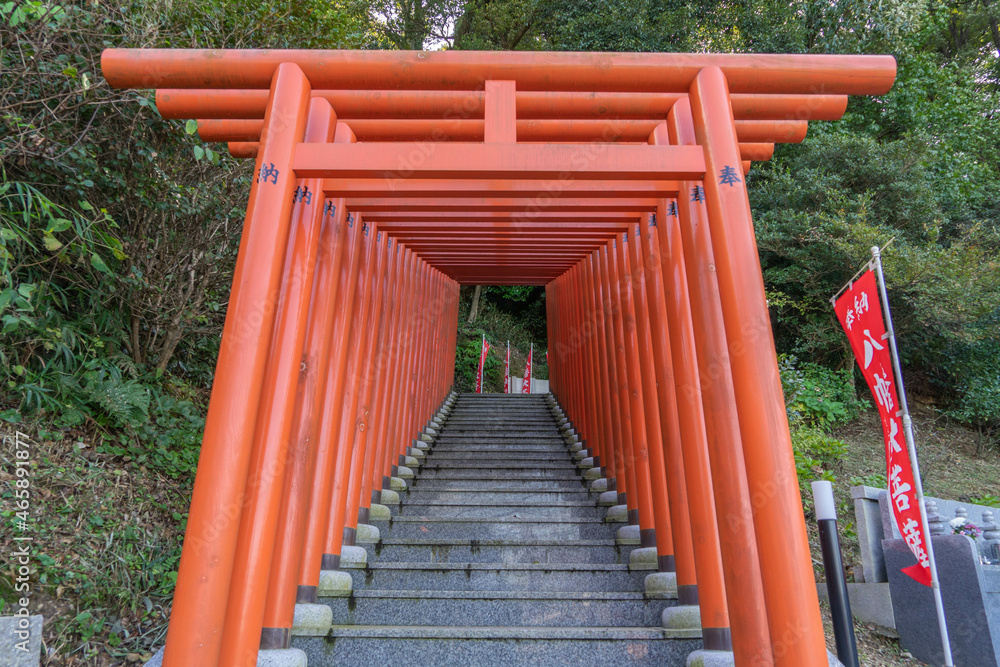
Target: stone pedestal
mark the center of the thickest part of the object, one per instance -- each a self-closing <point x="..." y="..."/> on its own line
<point x="971" y="593"/>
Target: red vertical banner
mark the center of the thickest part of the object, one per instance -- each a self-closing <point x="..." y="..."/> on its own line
<point x="506" y="372"/>
<point x="526" y="383"/>
<point x="860" y="313"/>
<point x="482" y="365"/>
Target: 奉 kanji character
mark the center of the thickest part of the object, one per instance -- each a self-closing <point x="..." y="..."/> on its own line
<point x="727" y="176"/>
<point x="672" y="208"/>
<point x="697" y="193"/>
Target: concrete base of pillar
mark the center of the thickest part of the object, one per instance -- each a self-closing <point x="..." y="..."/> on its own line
<point x="585" y="463"/>
<point x="617" y="513"/>
<point x="599" y="486"/>
<point x="727" y="659"/>
<point x="575" y="447"/>
<point x="628" y="535"/>
<point x="593" y="473"/>
<point x="367" y="534"/>
<point x="397" y="484"/>
<point x="572" y="439"/>
<point x="411" y="462"/>
<point x="353" y="556"/>
<point x="379" y="512"/>
<point x="607" y="498"/>
<point x="416" y="453"/>
<point x="283" y="657"/>
<point x="426" y="438"/>
<point x="390" y="497"/>
<point x="711" y="659"/>
<point x="661" y="585"/>
<point x="404" y="472"/>
<point x="311" y="620"/>
<point x="334" y="584"/>
<point x="682" y="617"/>
<point x="643" y="559"/>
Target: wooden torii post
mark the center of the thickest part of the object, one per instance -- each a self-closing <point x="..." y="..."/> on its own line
<point x="388" y="179"/>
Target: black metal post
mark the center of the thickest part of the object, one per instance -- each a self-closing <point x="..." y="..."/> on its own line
<point x="833" y="565"/>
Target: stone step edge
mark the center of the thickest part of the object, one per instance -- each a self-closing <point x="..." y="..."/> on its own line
<point x="489" y="567"/>
<point x="440" y="542"/>
<point x="508" y="632"/>
<point x="491" y="520"/>
<point x="491" y="596"/>
<point x="448" y="503"/>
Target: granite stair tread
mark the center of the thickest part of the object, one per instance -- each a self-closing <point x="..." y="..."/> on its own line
<point x="498" y="554"/>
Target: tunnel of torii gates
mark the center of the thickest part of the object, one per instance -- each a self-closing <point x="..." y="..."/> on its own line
<point x="383" y="182"/>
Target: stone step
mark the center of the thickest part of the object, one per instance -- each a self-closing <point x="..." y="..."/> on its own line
<point x="391" y="550"/>
<point x="507" y="608"/>
<point x="445" y="440"/>
<point x="481" y="472"/>
<point x="485" y="509"/>
<point x="498" y="577"/>
<point x="485" y="465"/>
<point x="366" y="646"/>
<point x="513" y="496"/>
<point x="500" y="455"/>
<point x="498" y="529"/>
<point x="504" y="448"/>
<point x="495" y="482"/>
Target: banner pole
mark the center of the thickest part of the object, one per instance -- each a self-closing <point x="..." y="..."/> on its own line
<point x="917" y="483"/>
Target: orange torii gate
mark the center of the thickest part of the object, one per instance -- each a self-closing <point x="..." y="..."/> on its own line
<point x="615" y="180"/>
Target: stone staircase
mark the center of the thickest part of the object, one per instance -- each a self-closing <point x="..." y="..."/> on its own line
<point x="498" y="554"/>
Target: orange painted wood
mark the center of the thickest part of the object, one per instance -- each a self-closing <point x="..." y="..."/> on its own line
<point x="466" y="70"/>
<point x="362" y="104"/>
<point x="527" y="131"/>
<point x="774" y="487"/>
<point x="269" y="454"/>
<point x="741" y="564"/>
<point x="199" y="607"/>
<point x="401" y="161"/>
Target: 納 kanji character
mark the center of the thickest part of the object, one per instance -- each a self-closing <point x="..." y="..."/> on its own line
<point x="267" y="172"/>
<point x="302" y="194"/>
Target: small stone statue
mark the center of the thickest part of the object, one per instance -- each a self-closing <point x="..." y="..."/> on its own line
<point x="991" y="538"/>
<point x="936" y="522"/>
<point x="991" y="531"/>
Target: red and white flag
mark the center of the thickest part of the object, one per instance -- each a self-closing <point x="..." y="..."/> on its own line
<point x="482" y="364"/>
<point x="860" y="313"/>
<point x="526" y="383"/>
<point x="506" y="372"/>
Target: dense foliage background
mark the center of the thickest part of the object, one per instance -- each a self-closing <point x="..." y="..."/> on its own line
<point x="118" y="229"/>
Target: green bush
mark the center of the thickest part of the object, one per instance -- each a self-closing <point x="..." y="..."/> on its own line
<point x="816" y="396"/>
<point x="816" y="455"/>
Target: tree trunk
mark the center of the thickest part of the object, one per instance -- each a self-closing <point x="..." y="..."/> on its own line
<point x="474" y="310"/>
